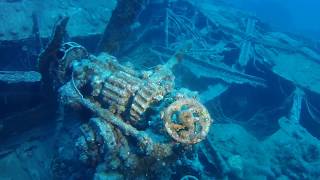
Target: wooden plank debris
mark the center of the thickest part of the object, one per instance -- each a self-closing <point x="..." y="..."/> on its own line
<point x="19" y="77"/>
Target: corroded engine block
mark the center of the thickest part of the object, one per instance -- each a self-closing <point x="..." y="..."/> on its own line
<point x="119" y="88"/>
<point x="137" y="116"/>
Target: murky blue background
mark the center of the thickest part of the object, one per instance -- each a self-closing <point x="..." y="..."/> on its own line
<point x="297" y="16"/>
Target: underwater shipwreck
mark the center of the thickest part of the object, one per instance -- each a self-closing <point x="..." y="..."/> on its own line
<point x="155" y="89"/>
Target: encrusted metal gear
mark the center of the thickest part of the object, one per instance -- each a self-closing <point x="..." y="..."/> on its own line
<point x="187" y="121"/>
<point x="127" y="95"/>
<point x="106" y="81"/>
<point x="159" y="84"/>
<point x="118" y="89"/>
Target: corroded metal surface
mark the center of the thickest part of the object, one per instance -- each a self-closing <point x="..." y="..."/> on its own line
<point x="187" y="121"/>
<point x="120" y="99"/>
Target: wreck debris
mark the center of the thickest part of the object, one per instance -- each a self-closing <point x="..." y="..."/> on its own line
<point x="215" y="70"/>
<point x="119" y="89"/>
<point x="295" y="68"/>
<point x="244" y="57"/>
<point x="121" y="100"/>
<point x="148" y="146"/>
<point x="275" y="50"/>
<point x="313" y="112"/>
<point x="298" y="98"/>
<point x="181" y="25"/>
<point x="187" y="121"/>
<point x="271" y="40"/>
<point x="246" y="47"/>
<point x="19" y="91"/>
<point x="48" y="57"/>
<point x="17" y="77"/>
<point x="69" y="52"/>
<point x="250" y="28"/>
<point x="122" y="131"/>
<point x="119" y="83"/>
<point x="157" y="86"/>
<point x="223" y="72"/>
<point x="104" y="132"/>
<point x="119" y="26"/>
<point x="213" y="92"/>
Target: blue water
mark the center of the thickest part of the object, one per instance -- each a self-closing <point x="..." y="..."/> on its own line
<point x="160" y="89"/>
<point x="294" y="16"/>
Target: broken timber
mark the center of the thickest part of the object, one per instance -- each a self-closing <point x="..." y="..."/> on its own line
<point x="19" y="77"/>
<point x="213" y="92"/>
<point x="222" y="72"/>
<point x="246" y="47"/>
<point x="214" y="70"/>
<point x="258" y="37"/>
<point x="17" y="86"/>
<point x="295" y="113"/>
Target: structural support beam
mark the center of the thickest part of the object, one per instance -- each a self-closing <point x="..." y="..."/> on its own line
<point x="119" y="26"/>
<point x="19" y="77"/>
<point x="213" y="92"/>
<point x="295" y="113"/>
<point x="246" y="47"/>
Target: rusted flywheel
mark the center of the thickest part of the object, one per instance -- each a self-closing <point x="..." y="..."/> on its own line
<point x="187" y="121"/>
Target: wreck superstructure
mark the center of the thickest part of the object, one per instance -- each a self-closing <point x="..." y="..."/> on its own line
<point x="138" y="99"/>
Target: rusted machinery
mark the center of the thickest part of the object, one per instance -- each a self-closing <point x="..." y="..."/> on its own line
<point x="137" y="116"/>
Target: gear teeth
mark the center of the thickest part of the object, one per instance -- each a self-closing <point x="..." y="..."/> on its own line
<point x="141" y="102"/>
<point x="111" y="98"/>
<point x="127" y="77"/>
<point x="116" y="90"/>
<point x="146" y="92"/>
<point x="117" y="82"/>
<point x="134" y="115"/>
<point x="137" y="109"/>
<point x="120" y="85"/>
<point x="143" y="99"/>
